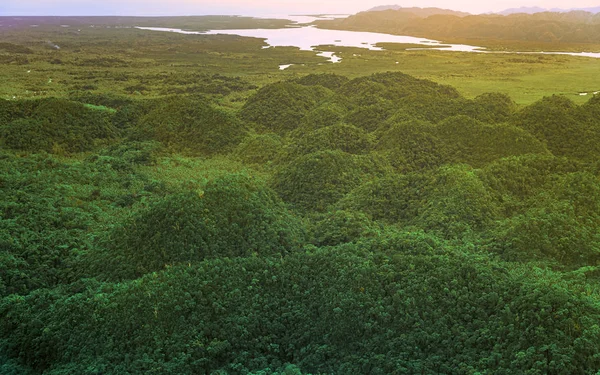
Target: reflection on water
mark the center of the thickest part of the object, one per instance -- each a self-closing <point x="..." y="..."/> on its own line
<point x="309" y="38"/>
<point x="330" y="55"/>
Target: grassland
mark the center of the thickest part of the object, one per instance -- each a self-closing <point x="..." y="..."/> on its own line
<point x="143" y="63"/>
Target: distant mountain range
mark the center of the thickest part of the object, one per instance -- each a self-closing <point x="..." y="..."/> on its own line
<point x="426" y="12"/>
<point x="421" y="12"/>
<point x="532" y="10"/>
<point x="575" y="26"/>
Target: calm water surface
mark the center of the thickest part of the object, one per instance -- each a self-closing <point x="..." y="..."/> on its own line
<point x="310" y="38"/>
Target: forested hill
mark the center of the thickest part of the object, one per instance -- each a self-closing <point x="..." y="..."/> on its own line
<point x="422" y="12"/>
<point x="571" y="27"/>
<point x="382" y="224"/>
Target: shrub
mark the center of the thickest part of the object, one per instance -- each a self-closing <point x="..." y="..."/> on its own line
<point x="191" y="125"/>
<point x="280" y="107"/>
<point x="563" y="126"/>
<point x="234" y="216"/>
<point x="341" y="137"/>
<point x="327" y="80"/>
<point x="259" y="149"/>
<point x="470" y="141"/>
<point x="412" y="146"/>
<point x="312" y="182"/>
<point x="58" y="124"/>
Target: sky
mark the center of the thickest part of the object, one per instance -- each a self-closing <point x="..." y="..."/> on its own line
<point x="254" y="7"/>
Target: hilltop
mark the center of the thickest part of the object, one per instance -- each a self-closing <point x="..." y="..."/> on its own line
<point x="422" y="12"/>
<point x="546" y="27"/>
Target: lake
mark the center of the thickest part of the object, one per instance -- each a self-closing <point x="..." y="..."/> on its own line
<point x="311" y="38"/>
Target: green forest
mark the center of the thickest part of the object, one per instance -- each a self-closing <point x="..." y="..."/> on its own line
<point x="176" y="204"/>
<point x="379" y="225"/>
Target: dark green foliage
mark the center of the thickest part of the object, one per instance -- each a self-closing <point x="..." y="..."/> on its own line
<point x="280" y="107"/>
<point x="516" y="181"/>
<point x="58" y="126"/>
<point x="50" y="213"/>
<point x="126" y="156"/>
<point x="372" y="115"/>
<point x="341" y="137"/>
<point x="135" y="260"/>
<point x="313" y="182"/>
<point x="472" y="142"/>
<point x="338" y="227"/>
<point x="432" y="109"/>
<point x="460" y="203"/>
<point x="328" y="80"/>
<point x="378" y="97"/>
<point x="198" y="83"/>
<point x="337" y="310"/>
<point x="9" y="111"/>
<point x="563" y="126"/>
<point x="553" y="231"/>
<point x="494" y="107"/>
<point x="451" y="200"/>
<point x="393" y="86"/>
<point x="191" y="125"/>
<point x="412" y="146"/>
<point x="327" y="114"/>
<point x="259" y="149"/>
<point x="562" y="223"/>
<point x="234" y="216"/>
<point x="394" y="198"/>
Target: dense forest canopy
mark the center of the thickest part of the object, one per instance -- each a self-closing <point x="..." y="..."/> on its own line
<point x="380" y="224"/>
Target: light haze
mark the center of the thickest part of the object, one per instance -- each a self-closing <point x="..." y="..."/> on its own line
<point x="254" y="8"/>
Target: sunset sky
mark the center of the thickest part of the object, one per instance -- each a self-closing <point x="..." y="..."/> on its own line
<point x="247" y="7"/>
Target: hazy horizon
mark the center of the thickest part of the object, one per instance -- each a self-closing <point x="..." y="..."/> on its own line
<point x="251" y="8"/>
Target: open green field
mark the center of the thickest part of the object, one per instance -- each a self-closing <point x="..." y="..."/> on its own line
<point x="138" y="62"/>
